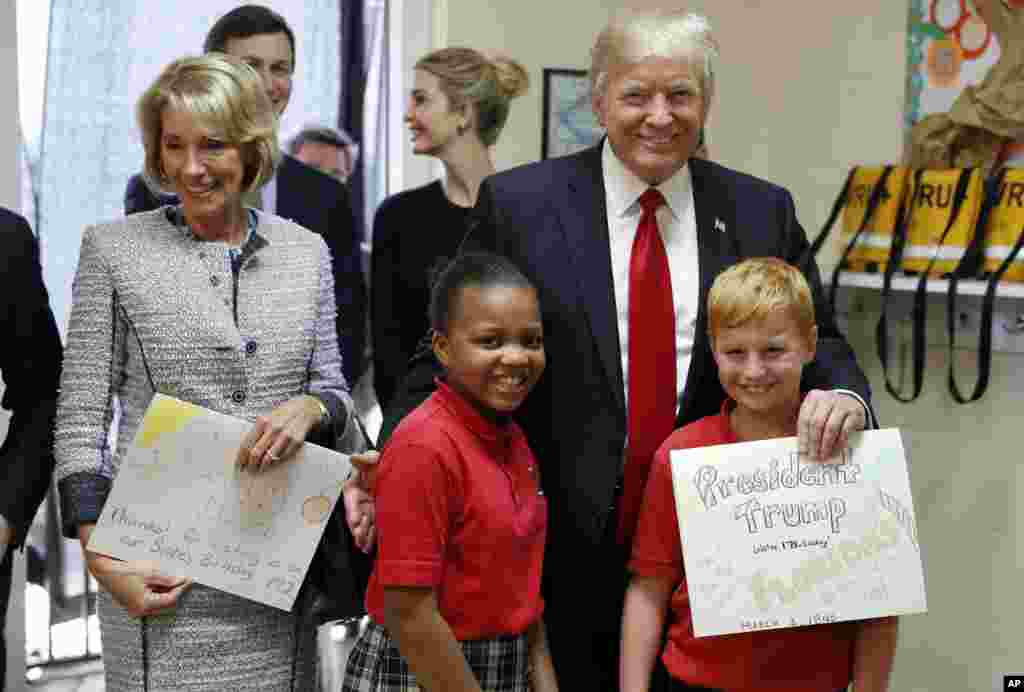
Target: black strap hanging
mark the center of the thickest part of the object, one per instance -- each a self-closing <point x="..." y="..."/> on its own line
<point x="877" y="193"/>
<point x="920" y="307"/>
<point x="971" y="269"/>
<point x="837" y="206"/>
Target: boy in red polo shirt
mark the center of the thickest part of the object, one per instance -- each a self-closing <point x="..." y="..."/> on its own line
<point x="454" y="597"/>
<point x="762" y="332"/>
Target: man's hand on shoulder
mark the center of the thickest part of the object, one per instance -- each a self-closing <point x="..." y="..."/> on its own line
<point x="826" y="420"/>
<point x="357" y="494"/>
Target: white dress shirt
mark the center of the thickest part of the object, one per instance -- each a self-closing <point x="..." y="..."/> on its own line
<point x="677" y="225"/>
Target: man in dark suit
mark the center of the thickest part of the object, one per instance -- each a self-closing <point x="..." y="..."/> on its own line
<point x="30" y="362"/>
<point x="573" y="225"/>
<point x="262" y="38"/>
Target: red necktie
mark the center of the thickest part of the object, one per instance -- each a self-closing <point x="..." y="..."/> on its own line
<point x="652" y="360"/>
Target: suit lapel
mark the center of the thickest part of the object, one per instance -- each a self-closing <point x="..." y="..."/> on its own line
<point x="584" y="218"/>
<point x="717" y="249"/>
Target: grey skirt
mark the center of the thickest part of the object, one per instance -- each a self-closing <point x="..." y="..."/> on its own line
<point x="375" y="665"/>
<point x="213" y="642"/>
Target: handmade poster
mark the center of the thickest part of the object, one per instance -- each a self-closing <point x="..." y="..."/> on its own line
<point x="180" y="501"/>
<point x="772" y="540"/>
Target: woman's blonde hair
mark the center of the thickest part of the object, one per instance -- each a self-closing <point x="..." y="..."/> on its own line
<point x="634" y="36"/>
<point x="755" y="288"/>
<point x="226" y="96"/>
<point x="468" y="78"/>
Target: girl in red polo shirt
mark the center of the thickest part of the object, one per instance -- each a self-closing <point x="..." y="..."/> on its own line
<point x="762" y="330"/>
<point x="454" y="598"/>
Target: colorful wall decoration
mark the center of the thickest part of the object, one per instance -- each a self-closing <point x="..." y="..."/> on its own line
<point x="949" y="47"/>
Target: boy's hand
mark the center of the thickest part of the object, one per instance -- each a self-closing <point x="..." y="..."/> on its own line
<point x="825" y="422"/>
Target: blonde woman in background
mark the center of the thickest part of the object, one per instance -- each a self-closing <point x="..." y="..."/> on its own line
<point x="457" y="109"/>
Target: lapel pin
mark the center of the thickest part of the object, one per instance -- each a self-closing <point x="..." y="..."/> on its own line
<point x="719" y="225"/>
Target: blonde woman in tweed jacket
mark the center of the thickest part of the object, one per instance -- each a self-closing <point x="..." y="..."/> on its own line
<point x="219" y="305"/>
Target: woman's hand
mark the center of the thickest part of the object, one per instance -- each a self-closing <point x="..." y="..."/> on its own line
<point x="279" y="435"/>
<point x="137" y="586"/>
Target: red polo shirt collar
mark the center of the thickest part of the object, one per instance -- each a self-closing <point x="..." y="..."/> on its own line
<point x="482" y="427"/>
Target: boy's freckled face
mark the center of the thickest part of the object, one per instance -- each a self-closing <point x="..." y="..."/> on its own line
<point x="493" y="351"/>
<point x="760" y="362"/>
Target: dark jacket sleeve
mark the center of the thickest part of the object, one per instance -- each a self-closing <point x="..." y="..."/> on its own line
<point x="321" y="204"/>
<point x="343" y="239"/>
<point x="386" y="306"/>
<point x="397" y="309"/>
<point x="30" y="362"/>
<point x="138" y="197"/>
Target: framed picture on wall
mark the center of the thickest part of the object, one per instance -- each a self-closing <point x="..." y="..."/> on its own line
<point x="568" y="122"/>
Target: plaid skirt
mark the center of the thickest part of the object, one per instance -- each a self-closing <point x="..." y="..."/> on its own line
<point x="375" y="664"/>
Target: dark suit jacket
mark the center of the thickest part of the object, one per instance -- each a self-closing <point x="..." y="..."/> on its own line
<point x="550" y="219"/>
<point x="319" y="203"/>
<point x="30" y="360"/>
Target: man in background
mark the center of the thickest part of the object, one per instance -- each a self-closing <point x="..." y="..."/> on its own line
<point x="262" y="38"/>
<point x="329" y="150"/>
<point x="30" y="362"/>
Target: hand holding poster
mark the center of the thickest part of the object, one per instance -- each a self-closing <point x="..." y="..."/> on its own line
<point x="773" y="540"/>
<point x="180" y="501"/>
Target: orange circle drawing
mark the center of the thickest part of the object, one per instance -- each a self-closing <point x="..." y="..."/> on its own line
<point x="315" y="509"/>
<point x="943" y="62"/>
<point x="973" y="37"/>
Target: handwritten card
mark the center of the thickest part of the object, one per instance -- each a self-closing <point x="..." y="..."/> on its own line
<point x="774" y="540"/>
<point x="180" y="501"/>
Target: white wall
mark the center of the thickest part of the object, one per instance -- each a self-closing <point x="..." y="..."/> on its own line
<point x="538" y="33"/>
<point x="806" y="90"/>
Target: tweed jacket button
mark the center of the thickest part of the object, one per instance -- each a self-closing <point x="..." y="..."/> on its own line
<point x="250" y="347"/>
<point x="238" y="396"/>
<point x="215" y="280"/>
